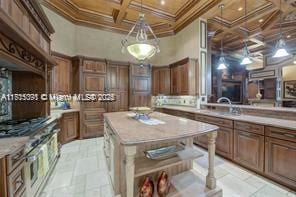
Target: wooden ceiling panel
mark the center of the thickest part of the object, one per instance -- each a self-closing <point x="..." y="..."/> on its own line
<point x="95" y="6"/>
<point x="169" y="6"/>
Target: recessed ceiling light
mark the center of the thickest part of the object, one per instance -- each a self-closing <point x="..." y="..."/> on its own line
<point x="261" y="20"/>
<point x="240" y="8"/>
<point x="288" y="36"/>
<point x="162" y="2"/>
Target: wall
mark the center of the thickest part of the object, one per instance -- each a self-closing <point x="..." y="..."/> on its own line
<point x="183" y="44"/>
<point x="63" y="40"/>
<point x="71" y="39"/>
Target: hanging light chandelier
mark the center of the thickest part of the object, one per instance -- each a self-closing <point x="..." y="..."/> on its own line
<point x="140" y="47"/>
<point x="222" y="63"/>
<point x="281" y="44"/>
<point x="247" y="59"/>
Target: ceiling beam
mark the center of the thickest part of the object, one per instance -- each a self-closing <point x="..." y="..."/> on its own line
<point x="122" y="11"/>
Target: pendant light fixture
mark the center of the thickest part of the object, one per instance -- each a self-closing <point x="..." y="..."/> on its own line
<point x="281" y="44"/>
<point x="247" y="59"/>
<point x="222" y="63"/>
<point x="140" y="47"/>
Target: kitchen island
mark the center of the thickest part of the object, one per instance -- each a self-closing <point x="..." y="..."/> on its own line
<point x="126" y="140"/>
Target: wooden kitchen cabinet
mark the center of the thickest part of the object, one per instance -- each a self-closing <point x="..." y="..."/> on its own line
<point x="61" y="76"/>
<point x="280" y="161"/>
<point x="95" y="66"/>
<point x="249" y="150"/>
<point x="118" y="84"/>
<point x="161" y="80"/>
<point x="140" y="85"/>
<point x="184" y="77"/>
<point x="93" y="129"/>
<point x="94" y="83"/>
<point x="69" y="127"/>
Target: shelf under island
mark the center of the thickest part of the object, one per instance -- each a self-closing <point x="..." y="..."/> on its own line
<point x="127" y="139"/>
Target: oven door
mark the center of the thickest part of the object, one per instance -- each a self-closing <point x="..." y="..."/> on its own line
<point x="31" y="170"/>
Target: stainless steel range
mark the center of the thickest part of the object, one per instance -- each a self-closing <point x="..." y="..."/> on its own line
<point x="41" y="151"/>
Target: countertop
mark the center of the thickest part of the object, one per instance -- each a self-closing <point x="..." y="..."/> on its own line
<point x="9" y="145"/>
<point x="57" y="113"/>
<point x="133" y="132"/>
<point x="279" y="109"/>
<point x="275" y="122"/>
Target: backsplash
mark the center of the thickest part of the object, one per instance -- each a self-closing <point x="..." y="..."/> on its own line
<point x="5" y="88"/>
<point x="190" y="101"/>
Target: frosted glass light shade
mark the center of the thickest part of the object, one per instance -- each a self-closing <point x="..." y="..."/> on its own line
<point x="281" y="52"/>
<point x="246" y="60"/>
<point x="280" y="49"/>
<point x="221" y="63"/>
<point x="141" y="51"/>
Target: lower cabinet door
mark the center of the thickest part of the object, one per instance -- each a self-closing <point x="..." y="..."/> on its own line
<point x="280" y="161"/>
<point x="93" y="129"/>
<point x="70" y="127"/>
<point x="224" y="142"/>
<point x="249" y="150"/>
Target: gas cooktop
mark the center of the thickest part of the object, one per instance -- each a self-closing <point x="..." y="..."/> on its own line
<point x="21" y="127"/>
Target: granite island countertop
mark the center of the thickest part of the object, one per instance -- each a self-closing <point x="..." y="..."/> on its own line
<point x="9" y="145"/>
<point x="275" y="122"/>
<point x="133" y="132"/>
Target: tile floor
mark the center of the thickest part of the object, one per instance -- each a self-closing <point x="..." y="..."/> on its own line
<point x="82" y="172"/>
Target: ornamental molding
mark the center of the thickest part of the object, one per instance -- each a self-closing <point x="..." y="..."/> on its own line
<point x="11" y="48"/>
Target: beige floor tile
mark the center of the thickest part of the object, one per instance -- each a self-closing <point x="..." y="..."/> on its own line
<point x="93" y="193"/>
<point x="107" y="191"/>
<point x="86" y="165"/>
<point x="59" y="180"/>
<point x="76" y="180"/>
<point x="269" y="191"/>
<point x="236" y="171"/>
<point x="256" y="181"/>
<point x="97" y="179"/>
<point x="65" y="191"/>
<point x="235" y="186"/>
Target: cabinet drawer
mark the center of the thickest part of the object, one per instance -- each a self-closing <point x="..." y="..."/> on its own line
<point x="280" y="133"/>
<point x="93" y="115"/>
<point x="254" y="128"/>
<point x="14" y="159"/>
<point x="93" y="128"/>
<point x="216" y="121"/>
<point x="70" y="115"/>
<point x="94" y="105"/>
<point x="16" y="182"/>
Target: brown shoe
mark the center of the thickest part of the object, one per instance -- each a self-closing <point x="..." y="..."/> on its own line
<point x="147" y="188"/>
<point x="163" y="184"/>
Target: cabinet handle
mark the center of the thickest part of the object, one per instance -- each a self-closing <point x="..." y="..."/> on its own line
<point x="284" y="134"/>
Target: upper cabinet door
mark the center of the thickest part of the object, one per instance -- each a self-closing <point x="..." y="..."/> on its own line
<point x="94" y="66"/>
<point x="123" y="78"/>
<point x="155" y="81"/>
<point x="62" y="76"/>
<point x="165" y="81"/>
<point x="112" y="76"/>
<point x="94" y="83"/>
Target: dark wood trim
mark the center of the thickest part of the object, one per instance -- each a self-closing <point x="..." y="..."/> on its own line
<point x="180" y="62"/>
<point x="119" y="63"/>
<point x="57" y="54"/>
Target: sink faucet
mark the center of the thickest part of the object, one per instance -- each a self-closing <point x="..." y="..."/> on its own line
<point x="229" y="102"/>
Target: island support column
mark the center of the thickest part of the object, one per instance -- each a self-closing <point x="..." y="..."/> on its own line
<point x="211" y="180"/>
<point x="130" y="152"/>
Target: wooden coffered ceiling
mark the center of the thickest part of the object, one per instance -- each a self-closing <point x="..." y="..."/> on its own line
<point x="260" y="25"/>
<point x="120" y="15"/>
